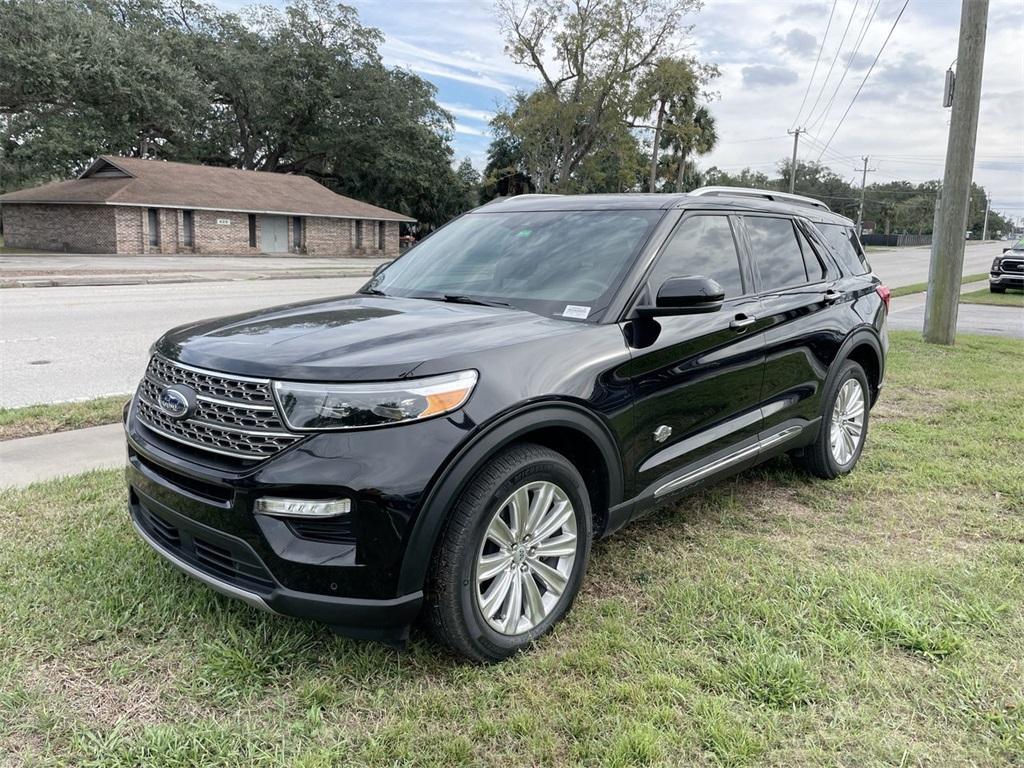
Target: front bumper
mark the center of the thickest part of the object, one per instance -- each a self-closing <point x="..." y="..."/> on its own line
<point x="231" y="567"/>
<point x="198" y="513"/>
<point x="1007" y="280"/>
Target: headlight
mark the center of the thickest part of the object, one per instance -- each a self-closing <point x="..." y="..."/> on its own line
<point x="996" y="263"/>
<point x="350" y="406"/>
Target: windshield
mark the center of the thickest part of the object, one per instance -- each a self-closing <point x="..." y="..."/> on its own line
<point x="560" y="263"/>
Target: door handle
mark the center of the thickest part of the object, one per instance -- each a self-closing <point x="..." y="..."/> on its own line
<point x="742" y="322"/>
<point x="832" y="296"/>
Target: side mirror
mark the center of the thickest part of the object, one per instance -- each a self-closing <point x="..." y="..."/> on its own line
<point x="381" y="267"/>
<point x="685" y="296"/>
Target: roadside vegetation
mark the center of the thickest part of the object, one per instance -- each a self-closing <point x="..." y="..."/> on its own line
<point x="906" y="290"/>
<point x="772" y="620"/>
<point x="59" y="417"/>
<point x="1011" y="298"/>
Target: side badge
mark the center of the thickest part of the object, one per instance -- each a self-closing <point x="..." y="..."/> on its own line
<point x="662" y="433"/>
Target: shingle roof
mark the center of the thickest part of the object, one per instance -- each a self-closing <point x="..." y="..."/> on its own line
<point x="160" y="184"/>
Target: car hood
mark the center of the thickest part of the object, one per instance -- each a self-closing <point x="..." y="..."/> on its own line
<point x="355" y="338"/>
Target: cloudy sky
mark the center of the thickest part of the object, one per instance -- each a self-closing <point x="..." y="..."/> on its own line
<point x="766" y="50"/>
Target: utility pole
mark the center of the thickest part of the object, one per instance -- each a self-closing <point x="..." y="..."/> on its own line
<point x="984" y="227"/>
<point x="947" y="260"/>
<point x="792" y="165"/>
<point x="863" y="185"/>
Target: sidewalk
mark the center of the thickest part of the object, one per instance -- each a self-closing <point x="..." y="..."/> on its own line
<point x="46" y="457"/>
<point x="55" y="270"/>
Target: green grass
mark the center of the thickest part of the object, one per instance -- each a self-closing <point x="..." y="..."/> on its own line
<point x="773" y="620"/>
<point x="906" y="290"/>
<point x="60" y="417"/>
<point x="1012" y="298"/>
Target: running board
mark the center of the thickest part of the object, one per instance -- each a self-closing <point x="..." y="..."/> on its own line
<point x="727" y="461"/>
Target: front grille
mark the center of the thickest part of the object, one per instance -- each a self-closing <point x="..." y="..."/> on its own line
<point x="1012" y="267"/>
<point x="232" y="416"/>
<point x="236" y="566"/>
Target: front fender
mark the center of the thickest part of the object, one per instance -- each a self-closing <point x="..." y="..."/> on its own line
<point x="477" y="451"/>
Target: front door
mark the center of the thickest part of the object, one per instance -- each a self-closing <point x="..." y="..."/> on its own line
<point x="697" y="378"/>
<point x="274" y="234"/>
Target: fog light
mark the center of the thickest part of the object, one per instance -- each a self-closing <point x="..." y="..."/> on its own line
<point x="269" y="505"/>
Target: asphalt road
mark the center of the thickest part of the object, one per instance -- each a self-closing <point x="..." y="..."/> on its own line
<point x="906" y="266"/>
<point x="60" y="344"/>
<point x="74" y="343"/>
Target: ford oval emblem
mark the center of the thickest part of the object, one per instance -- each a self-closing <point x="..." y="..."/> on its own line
<point x="174" y="403"/>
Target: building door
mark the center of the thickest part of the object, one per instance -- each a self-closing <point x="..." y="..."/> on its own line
<point x="274" y="234"/>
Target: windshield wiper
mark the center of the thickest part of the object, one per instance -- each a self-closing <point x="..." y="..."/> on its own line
<point x="373" y="291"/>
<point x="455" y="298"/>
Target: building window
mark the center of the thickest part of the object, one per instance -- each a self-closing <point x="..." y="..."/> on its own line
<point x="252" y="230"/>
<point x="297" y="231"/>
<point x="154" y="226"/>
<point x="380" y="234"/>
<point x="359" y="234"/>
<point x="188" y="229"/>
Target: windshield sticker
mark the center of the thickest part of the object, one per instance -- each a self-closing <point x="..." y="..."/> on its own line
<point x="575" y="311"/>
<point x="524" y="233"/>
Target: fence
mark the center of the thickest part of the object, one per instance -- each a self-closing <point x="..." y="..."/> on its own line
<point x="896" y="240"/>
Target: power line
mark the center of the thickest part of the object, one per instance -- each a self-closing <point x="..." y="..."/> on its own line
<point x="835" y="58"/>
<point x="870" y="17"/>
<point x="818" y="59"/>
<point x="832" y="154"/>
<point x="866" y="75"/>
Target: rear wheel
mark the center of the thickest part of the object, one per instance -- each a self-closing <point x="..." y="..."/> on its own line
<point x="997" y="288"/>
<point x="844" y="425"/>
<point x="512" y="556"/>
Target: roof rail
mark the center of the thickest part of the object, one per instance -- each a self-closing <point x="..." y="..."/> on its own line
<point x="769" y="194"/>
<point x="527" y="195"/>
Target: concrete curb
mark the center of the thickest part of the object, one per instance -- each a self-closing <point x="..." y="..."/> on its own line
<point x="42" y="281"/>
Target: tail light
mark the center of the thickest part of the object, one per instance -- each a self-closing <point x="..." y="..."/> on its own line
<point x="884" y="294"/>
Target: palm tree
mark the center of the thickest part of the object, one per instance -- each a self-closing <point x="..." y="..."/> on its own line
<point x="693" y="133"/>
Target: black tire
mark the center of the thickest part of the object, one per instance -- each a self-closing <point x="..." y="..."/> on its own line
<point x="453" y="612"/>
<point x="818" y="458"/>
<point x="997" y="288"/>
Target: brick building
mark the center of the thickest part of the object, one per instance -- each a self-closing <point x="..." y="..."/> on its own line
<point x="128" y="205"/>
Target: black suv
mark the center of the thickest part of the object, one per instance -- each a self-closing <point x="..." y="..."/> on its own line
<point x="539" y="372"/>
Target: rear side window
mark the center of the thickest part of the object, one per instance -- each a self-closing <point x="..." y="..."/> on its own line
<point x="701" y="245"/>
<point x="846" y="247"/>
<point x="773" y="243"/>
<point x="816" y="270"/>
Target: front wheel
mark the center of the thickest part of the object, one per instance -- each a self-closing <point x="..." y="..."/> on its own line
<point x="511" y="558"/>
<point x="997" y="288"/>
<point x="844" y="425"/>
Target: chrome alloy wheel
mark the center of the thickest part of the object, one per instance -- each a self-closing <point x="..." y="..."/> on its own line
<point x="847" y="421"/>
<point x="526" y="558"/>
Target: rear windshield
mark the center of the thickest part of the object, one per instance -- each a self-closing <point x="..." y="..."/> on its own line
<point x="558" y="263"/>
<point x="846" y="248"/>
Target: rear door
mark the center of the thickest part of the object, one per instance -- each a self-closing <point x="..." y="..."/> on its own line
<point x="803" y="309"/>
<point x="696" y="378"/>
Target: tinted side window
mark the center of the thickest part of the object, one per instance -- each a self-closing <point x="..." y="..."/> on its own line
<point x="816" y="270"/>
<point x="701" y="245"/>
<point x="846" y="247"/>
<point x="776" y="252"/>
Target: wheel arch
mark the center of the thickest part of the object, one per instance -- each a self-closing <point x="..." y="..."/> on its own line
<point x="864" y="348"/>
<point x="564" y="427"/>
